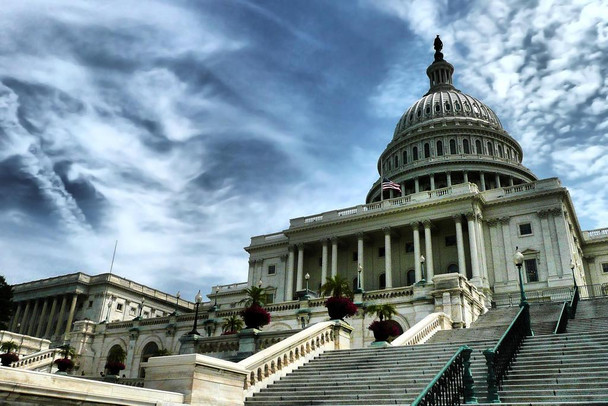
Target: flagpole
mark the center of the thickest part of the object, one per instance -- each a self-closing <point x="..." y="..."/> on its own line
<point x="381" y="180"/>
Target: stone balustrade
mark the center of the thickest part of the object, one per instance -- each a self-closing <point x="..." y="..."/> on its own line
<point x="37" y="360"/>
<point x="27" y="344"/>
<point x="424" y="329"/>
<point x="524" y="188"/>
<point x="593" y="234"/>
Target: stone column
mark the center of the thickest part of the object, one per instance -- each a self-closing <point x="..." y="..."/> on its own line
<point x="449" y="177"/>
<point x="42" y="317"/>
<point x="562" y="236"/>
<point x="324" y="248"/>
<point x="402" y="189"/>
<point x="68" y="326"/>
<point x="462" y="267"/>
<point x="61" y="314"/>
<point x="432" y="181"/>
<point x="509" y="249"/>
<point x="360" y="258"/>
<point x="417" y="270"/>
<point x="482" y="179"/>
<point x="473" y="246"/>
<point x="481" y="248"/>
<point x="510" y="180"/>
<point x="289" y="282"/>
<point x="466" y="176"/>
<point x="388" y="262"/>
<point x="15" y="320"/>
<point x="428" y="246"/>
<point x="251" y="271"/>
<point x="300" y="274"/>
<point x="416" y="185"/>
<point x="497" y="258"/>
<point x="47" y="330"/>
<point x="334" y="257"/>
<point x="33" y="318"/>
<point x="548" y="245"/>
<point x="24" y="319"/>
<point x="497" y="180"/>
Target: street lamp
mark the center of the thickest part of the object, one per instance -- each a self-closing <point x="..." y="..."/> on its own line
<point x="307" y="277"/>
<point x="260" y="283"/>
<point x="359" y="271"/>
<point x="572" y="266"/>
<point x="423" y="273"/>
<point x="518" y="260"/>
<point x="198" y="299"/>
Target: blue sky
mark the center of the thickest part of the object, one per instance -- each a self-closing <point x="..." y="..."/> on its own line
<point x="182" y="128"/>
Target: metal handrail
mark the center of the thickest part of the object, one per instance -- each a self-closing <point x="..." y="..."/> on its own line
<point x="562" y="322"/>
<point x="576" y="297"/>
<point x="501" y="356"/>
<point x="452" y="383"/>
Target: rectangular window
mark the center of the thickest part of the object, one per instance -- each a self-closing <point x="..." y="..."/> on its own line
<point x="525" y="229"/>
<point x="90" y="304"/>
<point x="531" y="270"/>
<point x="409" y="247"/>
<point x="381" y="252"/>
<point x="119" y="307"/>
<point x="355" y="256"/>
<point x="605" y="267"/>
<point x="272" y="269"/>
<point x="132" y="311"/>
<point x="146" y="315"/>
<point x="270" y="298"/>
<point x="450" y="240"/>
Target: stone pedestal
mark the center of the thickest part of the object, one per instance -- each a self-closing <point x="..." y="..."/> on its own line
<point x="189" y="343"/>
<point x="342" y="335"/>
<point x="247" y="338"/>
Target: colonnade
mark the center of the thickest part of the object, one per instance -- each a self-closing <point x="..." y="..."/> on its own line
<point x="296" y="253"/>
<point x="29" y="321"/>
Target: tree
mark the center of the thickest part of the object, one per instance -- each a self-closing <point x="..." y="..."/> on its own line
<point x="255" y="295"/>
<point x="6" y="303"/>
<point x="336" y="286"/>
<point x="232" y="324"/>
<point x="382" y="311"/>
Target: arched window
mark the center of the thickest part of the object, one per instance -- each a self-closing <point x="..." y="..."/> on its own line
<point x="499" y="150"/>
<point x="452" y="146"/>
<point x="427" y="150"/>
<point x="382" y="281"/>
<point x="396" y="161"/>
<point x="404" y="157"/>
<point x="465" y="147"/>
<point x="411" y="277"/>
<point x="439" y="148"/>
<point x="453" y="268"/>
<point x="478" y="149"/>
<point x="415" y="153"/>
<point x="150" y="350"/>
<point x="490" y="148"/>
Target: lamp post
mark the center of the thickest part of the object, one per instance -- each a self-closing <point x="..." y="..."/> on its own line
<point x="198" y="299"/>
<point x="260" y="283"/>
<point x="518" y="260"/>
<point x="423" y="273"/>
<point x="307" y="277"/>
<point x="359" y="271"/>
<point x="572" y="266"/>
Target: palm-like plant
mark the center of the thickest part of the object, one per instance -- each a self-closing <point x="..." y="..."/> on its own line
<point x="8" y="346"/>
<point x="67" y="351"/>
<point x="232" y="324"/>
<point x="382" y="311"/>
<point x="336" y="286"/>
<point x="255" y="295"/>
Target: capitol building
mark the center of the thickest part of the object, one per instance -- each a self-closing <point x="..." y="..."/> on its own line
<point x="436" y="233"/>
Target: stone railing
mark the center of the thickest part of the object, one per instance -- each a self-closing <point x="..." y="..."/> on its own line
<point x="37" y="360"/>
<point x="422" y="331"/>
<point x="531" y="187"/>
<point x="593" y="234"/>
<point x="389" y="293"/>
<point x="27" y="344"/>
<point x="269" y="365"/>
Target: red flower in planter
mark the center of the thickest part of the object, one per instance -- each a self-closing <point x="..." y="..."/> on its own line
<point x="8" y="358"/>
<point x="255" y="316"/>
<point x="63" y="364"/>
<point x="383" y="330"/>
<point x="340" y="307"/>
<point x="114" y="367"/>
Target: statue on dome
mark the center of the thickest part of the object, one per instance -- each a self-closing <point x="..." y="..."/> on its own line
<point x="438" y="45"/>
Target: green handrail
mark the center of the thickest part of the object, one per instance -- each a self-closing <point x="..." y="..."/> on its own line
<point x="574" y="302"/>
<point x="469" y="392"/>
<point x="508" y="330"/>
<point x="562" y="322"/>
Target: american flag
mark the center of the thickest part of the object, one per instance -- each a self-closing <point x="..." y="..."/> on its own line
<point x="389" y="184"/>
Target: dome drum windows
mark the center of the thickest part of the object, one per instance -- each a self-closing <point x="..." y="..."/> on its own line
<point x="452" y="146"/>
<point x="427" y="150"/>
<point x="404" y="159"/>
<point x="465" y="147"/>
<point x="415" y="153"/>
<point x="478" y="148"/>
<point x="439" y="148"/>
<point x="490" y="149"/>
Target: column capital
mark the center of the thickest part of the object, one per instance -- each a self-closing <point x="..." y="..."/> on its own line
<point x="504" y="220"/>
<point x="542" y="213"/>
<point x="427" y="223"/>
<point x="300" y="246"/>
<point x="492" y="221"/>
<point x="457" y="217"/>
<point x="324" y="240"/>
<point x="470" y="215"/>
<point x="252" y="261"/>
<point x="361" y="236"/>
<point x="555" y="211"/>
<point x="290" y="248"/>
<point x="284" y="257"/>
<point x="415" y="225"/>
<point x="387" y="230"/>
<point x="333" y="239"/>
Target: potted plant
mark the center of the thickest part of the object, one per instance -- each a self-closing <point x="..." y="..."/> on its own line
<point x="254" y="315"/>
<point x="9" y="356"/>
<point x="232" y="325"/>
<point x="115" y="360"/>
<point x="383" y="329"/>
<point x="340" y="304"/>
<point x="64" y="363"/>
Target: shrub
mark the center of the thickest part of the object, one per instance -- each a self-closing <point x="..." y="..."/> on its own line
<point x="114" y="366"/>
<point x="383" y="330"/>
<point x="340" y="307"/>
<point x="64" y="364"/>
<point x="8" y="358"/>
<point x="255" y="316"/>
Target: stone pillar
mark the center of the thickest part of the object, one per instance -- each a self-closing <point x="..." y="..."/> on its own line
<point x="466" y="176"/>
<point x="47" y="330"/>
<point x="562" y="242"/>
<point x="300" y="274"/>
<point x="61" y="314"/>
<point x="482" y="179"/>
<point x="509" y="249"/>
<point x="432" y="181"/>
<point x="24" y="319"/>
<point x="510" y="180"/>
<point x="498" y="263"/>
<point x="473" y="246"/>
<point x="68" y="326"/>
<point x="428" y="246"/>
<point x="548" y="245"/>
<point x="360" y="258"/>
<point x="289" y="282"/>
<point x="33" y="318"/>
<point x="334" y="257"/>
<point x="42" y="317"/>
<point x="251" y="277"/>
<point x="462" y="267"/>
<point x="324" y="248"/>
<point x="15" y="320"/>
<point x="402" y="189"/>
<point x="449" y="177"/>
<point x="417" y="270"/>
<point x="481" y="248"/>
<point x="388" y="262"/>
<point x="416" y="185"/>
<point x="497" y="180"/>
